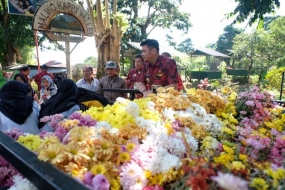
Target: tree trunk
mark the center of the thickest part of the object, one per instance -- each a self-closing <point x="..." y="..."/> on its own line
<point x="11" y="51"/>
<point x="10" y="54"/>
<point x="260" y="76"/>
<point x="108" y="51"/>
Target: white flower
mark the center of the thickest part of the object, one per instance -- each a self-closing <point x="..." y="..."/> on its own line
<point x="22" y="184"/>
<point x="103" y="124"/>
<point x="133" y="109"/>
<point x="169" y="114"/>
<point x="151" y="105"/>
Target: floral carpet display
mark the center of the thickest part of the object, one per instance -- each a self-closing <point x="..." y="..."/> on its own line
<point x="197" y="141"/>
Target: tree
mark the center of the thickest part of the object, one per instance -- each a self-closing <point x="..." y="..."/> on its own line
<point x="186" y="46"/>
<point x="163" y="13"/>
<point x="107" y="36"/>
<point x="16" y="37"/>
<point x="225" y="41"/>
<point x="261" y="49"/>
<point x="253" y="10"/>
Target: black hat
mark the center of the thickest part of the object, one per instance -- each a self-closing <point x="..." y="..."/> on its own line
<point x="111" y="65"/>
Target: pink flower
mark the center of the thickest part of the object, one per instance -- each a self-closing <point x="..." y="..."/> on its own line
<point x="249" y="103"/>
<point x="100" y="182"/>
<point x="230" y="182"/>
<point x="14" y="133"/>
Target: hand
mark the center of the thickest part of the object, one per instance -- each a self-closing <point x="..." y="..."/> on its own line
<point x="36" y="98"/>
<point x="146" y="93"/>
<point x="47" y="92"/>
<point x="128" y="82"/>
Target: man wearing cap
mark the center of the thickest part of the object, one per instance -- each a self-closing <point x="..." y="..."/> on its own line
<point x="111" y="81"/>
<point x="88" y="82"/>
<point x="38" y="77"/>
<point x="159" y="71"/>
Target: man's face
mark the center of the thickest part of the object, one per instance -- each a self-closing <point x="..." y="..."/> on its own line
<point x="147" y="53"/>
<point x="138" y="64"/>
<point x="111" y="72"/>
<point x="87" y="73"/>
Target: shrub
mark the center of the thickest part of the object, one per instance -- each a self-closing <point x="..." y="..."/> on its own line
<point x="273" y="77"/>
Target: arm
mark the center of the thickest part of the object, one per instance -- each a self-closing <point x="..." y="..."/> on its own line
<point x="99" y="88"/>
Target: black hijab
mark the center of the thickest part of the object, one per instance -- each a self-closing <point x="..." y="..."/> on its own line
<point x="88" y="95"/>
<point x="21" y="76"/>
<point x="15" y="103"/>
<point x="63" y="100"/>
<point x="31" y="90"/>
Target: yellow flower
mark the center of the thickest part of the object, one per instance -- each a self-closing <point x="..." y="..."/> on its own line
<point x="98" y="169"/>
<point x="30" y="141"/>
<point x="130" y="146"/>
<point x="227" y="130"/>
<point x="228" y="149"/>
<point x="277" y="175"/>
<point x="243" y="157"/>
<point x="114" y="184"/>
<point x="124" y="157"/>
<point x="259" y="184"/>
<point x="147" y="174"/>
<point x="237" y="165"/>
<point x="233" y="120"/>
<point x="51" y="139"/>
<point x="157" y="179"/>
<point x="75" y="153"/>
<point x="224" y="159"/>
<point x="53" y="154"/>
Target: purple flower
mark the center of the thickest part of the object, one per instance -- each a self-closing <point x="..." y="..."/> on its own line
<point x="14" y="133"/>
<point x="88" y="176"/>
<point x="85" y="120"/>
<point x="100" y="182"/>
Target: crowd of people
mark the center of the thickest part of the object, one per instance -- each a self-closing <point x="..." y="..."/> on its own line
<point x="21" y="107"/>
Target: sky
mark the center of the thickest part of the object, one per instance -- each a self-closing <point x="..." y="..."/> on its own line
<point x="207" y="19"/>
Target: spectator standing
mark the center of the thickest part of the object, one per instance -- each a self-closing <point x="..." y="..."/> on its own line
<point x="25" y="71"/>
<point x="180" y="85"/>
<point x="38" y="77"/>
<point x="48" y="89"/>
<point x="88" y="82"/>
<point x="159" y="70"/>
<point x="136" y="75"/>
<point x="111" y="81"/>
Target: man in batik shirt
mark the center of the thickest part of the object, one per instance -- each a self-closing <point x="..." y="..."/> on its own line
<point x="159" y="70"/>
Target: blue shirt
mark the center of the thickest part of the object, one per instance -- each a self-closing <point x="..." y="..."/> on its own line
<point x="93" y="86"/>
<point x="30" y="125"/>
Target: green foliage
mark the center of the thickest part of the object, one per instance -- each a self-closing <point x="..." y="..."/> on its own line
<point x="274" y="77"/>
<point x="186" y="46"/>
<point x="260" y="50"/>
<point x="253" y="10"/>
<point x="225" y="41"/>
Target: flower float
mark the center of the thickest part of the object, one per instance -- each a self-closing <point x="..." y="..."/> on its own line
<point x="200" y="140"/>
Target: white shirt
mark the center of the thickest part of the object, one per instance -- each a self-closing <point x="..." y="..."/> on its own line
<point x="93" y="86"/>
<point x="30" y="125"/>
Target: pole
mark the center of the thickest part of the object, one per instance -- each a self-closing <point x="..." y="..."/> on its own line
<point x="37" y="49"/>
<point x="282" y="83"/>
<point x="67" y="52"/>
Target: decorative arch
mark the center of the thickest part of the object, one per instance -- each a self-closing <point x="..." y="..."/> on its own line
<point x="49" y="10"/>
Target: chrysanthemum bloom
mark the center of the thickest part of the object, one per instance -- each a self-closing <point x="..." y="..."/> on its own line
<point x="75" y="153"/>
<point x="53" y="153"/>
<point x="124" y="157"/>
<point x="230" y="182"/>
<point x="100" y="182"/>
<point x="98" y="169"/>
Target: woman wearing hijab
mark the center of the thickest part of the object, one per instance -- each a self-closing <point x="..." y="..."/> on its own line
<point x="18" y="108"/>
<point x="63" y="102"/>
<point x="21" y="78"/>
<point x="48" y="89"/>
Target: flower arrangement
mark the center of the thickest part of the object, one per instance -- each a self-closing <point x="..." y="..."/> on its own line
<point x="201" y="140"/>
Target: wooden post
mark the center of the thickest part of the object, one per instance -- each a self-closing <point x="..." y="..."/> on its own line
<point x="68" y="67"/>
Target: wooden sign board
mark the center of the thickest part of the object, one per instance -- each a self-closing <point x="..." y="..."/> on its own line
<point x="64" y="38"/>
<point x="53" y="8"/>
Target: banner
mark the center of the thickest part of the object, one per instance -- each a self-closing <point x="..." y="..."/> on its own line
<point x="24" y="7"/>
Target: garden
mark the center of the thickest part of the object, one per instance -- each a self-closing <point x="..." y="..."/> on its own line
<point x="224" y="139"/>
